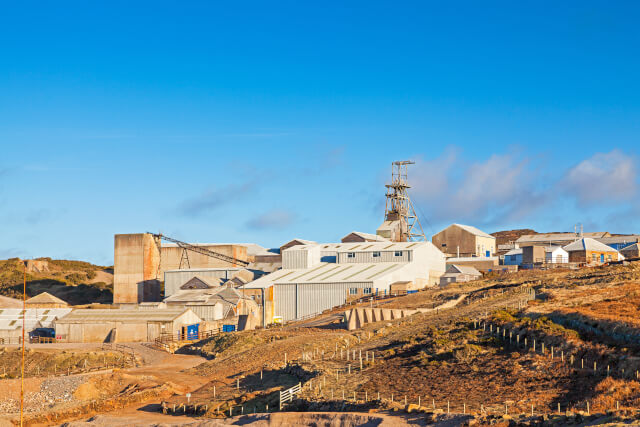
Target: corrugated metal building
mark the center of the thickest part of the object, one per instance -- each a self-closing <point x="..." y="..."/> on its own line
<point x="307" y="284"/>
<point x="173" y="279"/>
<point x="122" y="325"/>
<point x="11" y="320"/>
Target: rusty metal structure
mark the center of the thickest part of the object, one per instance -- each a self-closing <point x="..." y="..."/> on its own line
<point x="401" y="224"/>
<point x="184" y="259"/>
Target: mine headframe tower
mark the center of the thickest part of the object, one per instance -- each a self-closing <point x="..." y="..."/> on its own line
<point x="401" y="224"/>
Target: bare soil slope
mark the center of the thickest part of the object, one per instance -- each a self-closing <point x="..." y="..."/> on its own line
<point x="75" y="282"/>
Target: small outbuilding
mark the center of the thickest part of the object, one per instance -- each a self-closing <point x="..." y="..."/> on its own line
<point x="45" y="300"/>
<point x="555" y="255"/>
<point x="631" y="252"/>
<point x="590" y="251"/>
<point x="124" y="325"/>
<point x="513" y="257"/>
<point x="459" y="273"/>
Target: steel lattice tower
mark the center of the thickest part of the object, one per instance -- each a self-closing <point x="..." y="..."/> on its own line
<point x="398" y="206"/>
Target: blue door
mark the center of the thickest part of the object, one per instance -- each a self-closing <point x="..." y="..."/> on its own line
<point x="488" y="254"/>
<point x="602" y="258"/>
<point x="192" y="332"/>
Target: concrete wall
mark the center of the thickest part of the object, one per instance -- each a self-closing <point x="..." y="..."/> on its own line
<point x="136" y="262"/>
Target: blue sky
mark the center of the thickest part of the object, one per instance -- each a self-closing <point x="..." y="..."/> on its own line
<point x="263" y="121"/>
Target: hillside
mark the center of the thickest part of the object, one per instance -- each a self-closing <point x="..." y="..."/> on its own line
<point x="568" y="355"/>
<point x="76" y="282"/>
<point x="507" y="236"/>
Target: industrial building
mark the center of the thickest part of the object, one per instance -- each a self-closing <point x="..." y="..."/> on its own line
<point x="458" y="240"/>
<point x="556" y="239"/>
<point x="632" y="251"/>
<point x="124" y="325"/>
<point x="458" y="274"/>
<point x="175" y="280"/>
<point x="141" y="260"/>
<point x="620" y="241"/>
<point x="318" y="277"/>
<point x="11" y="321"/>
<point x="590" y="251"/>
<point x="220" y="303"/>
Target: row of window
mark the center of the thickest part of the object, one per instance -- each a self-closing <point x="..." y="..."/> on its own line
<point x="354" y="291"/>
<point x="375" y="254"/>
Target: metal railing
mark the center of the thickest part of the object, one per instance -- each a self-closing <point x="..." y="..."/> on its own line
<point x="166" y="341"/>
<point x="288" y="394"/>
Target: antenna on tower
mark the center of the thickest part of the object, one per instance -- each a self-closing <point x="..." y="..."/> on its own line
<point x="401" y="224"/>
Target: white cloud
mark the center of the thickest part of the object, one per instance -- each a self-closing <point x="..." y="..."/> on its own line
<point x="276" y="219"/>
<point x="450" y="188"/>
<point x="216" y="198"/>
<point x="513" y="188"/>
<point x="603" y="177"/>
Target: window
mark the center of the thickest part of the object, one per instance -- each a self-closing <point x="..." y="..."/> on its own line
<point x="398" y="253"/>
<point x="376" y="254"/>
<point x="444" y="245"/>
<point x="594" y="257"/>
<point x="367" y="290"/>
<point x="353" y="291"/>
<point x="351" y="254"/>
<point x="610" y="257"/>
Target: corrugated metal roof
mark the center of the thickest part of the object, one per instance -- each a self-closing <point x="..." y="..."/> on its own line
<point x="43" y="316"/>
<point x="517" y="251"/>
<point x="546" y="237"/>
<point x="207" y="296"/>
<point x="45" y="298"/>
<point x="471" y="258"/>
<point x="365" y="247"/>
<point x="588" y="244"/>
<point x="473" y="230"/>
<point x="207" y="269"/>
<point x="123" y="315"/>
<point x="367" y="236"/>
<point x="9" y="302"/>
<point x="464" y="269"/>
<point x="619" y="239"/>
<point x="329" y="273"/>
